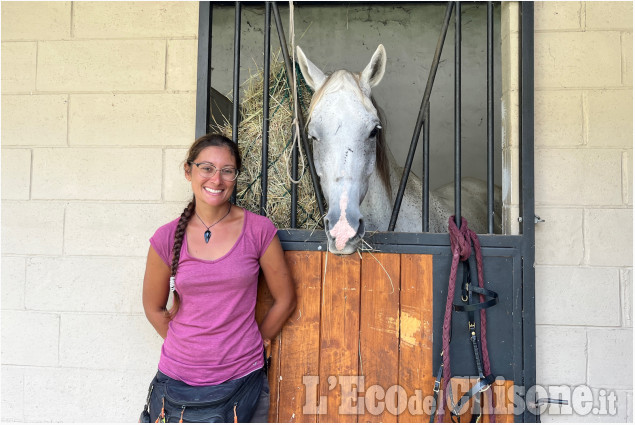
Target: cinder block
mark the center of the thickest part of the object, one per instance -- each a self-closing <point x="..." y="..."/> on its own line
<point x="577" y="59"/>
<point x="627" y="58"/>
<point x="12" y="394"/>
<point x="610" y="118"/>
<point x="132" y="119"/>
<point x="626" y="287"/>
<point x="115" y="229"/>
<point x="135" y="19"/>
<point x="96" y="173"/>
<point x="560" y="355"/>
<point x="578" y="177"/>
<point x="30" y="338"/>
<point x="86" y="284"/>
<point x="85" y="395"/>
<point x="510" y="22"/>
<point x="175" y="187"/>
<point x="559" y="239"/>
<point x="629" y="406"/>
<point x="38" y="20"/>
<point x="182" y="60"/>
<point x="129" y="341"/>
<point x="602" y="402"/>
<point x="18" y="67"/>
<point x="610" y="358"/>
<point x="32" y="228"/>
<point x="558" y="118"/>
<point x="609" y="237"/>
<point x="510" y="52"/>
<point x="511" y="183"/>
<point x="599" y="407"/>
<point x="13" y="280"/>
<point x="510" y="110"/>
<point x="101" y="65"/>
<point x="16" y="173"/>
<point x="18" y="113"/>
<point x="577" y="296"/>
<point x="609" y="15"/>
<point x="557" y="16"/>
<point x="511" y="226"/>
<point x="627" y="177"/>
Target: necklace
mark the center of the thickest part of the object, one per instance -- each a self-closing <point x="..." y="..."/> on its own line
<point x="208" y="234"/>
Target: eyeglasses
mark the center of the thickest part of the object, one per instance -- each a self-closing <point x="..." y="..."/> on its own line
<point x="207" y="170"/>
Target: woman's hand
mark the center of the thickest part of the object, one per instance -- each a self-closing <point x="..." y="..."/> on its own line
<point x="156" y="288"/>
<point x="282" y="289"/>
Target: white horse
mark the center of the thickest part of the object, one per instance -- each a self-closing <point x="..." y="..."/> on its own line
<point x="358" y="174"/>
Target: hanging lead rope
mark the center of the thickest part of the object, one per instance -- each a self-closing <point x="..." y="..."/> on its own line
<point x="461" y="240"/>
<point x="296" y="102"/>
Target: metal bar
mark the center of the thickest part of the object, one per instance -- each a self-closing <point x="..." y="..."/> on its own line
<point x="457" y="115"/>
<point x="294" y="186"/>
<point x="424" y="103"/>
<point x="204" y="69"/>
<point x="425" y="226"/>
<point x="264" y="168"/>
<point x="236" y="75"/>
<point x="527" y="198"/>
<point x="490" y="117"/>
<point x="296" y="104"/>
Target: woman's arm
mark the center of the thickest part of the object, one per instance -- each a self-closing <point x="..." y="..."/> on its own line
<point x="274" y="266"/>
<point x="156" y="288"/>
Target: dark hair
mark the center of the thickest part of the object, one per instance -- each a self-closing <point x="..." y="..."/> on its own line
<point x="206" y="141"/>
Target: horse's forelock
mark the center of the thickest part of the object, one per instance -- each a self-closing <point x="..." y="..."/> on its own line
<point x="336" y="81"/>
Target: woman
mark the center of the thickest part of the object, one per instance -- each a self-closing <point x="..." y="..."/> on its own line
<point x="212" y="360"/>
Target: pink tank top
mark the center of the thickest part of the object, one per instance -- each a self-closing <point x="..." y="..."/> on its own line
<point x="214" y="336"/>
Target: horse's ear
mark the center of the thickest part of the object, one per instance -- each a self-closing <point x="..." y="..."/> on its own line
<point x="374" y="71"/>
<point x="312" y="74"/>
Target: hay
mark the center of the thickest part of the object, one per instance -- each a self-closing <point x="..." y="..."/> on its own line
<point x="278" y="207"/>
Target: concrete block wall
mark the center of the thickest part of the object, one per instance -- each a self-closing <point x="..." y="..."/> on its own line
<point x="583" y="186"/>
<point x="98" y="106"/>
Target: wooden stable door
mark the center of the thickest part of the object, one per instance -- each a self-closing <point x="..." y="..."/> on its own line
<point x="358" y="348"/>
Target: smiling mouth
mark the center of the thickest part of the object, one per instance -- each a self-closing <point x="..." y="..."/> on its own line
<point x="213" y="191"/>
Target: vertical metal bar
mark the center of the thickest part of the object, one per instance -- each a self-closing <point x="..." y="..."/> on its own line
<point x="296" y="103"/>
<point x="264" y="168"/>
<point x="490" y="117"/>
<point x="426" y="171"/>
<point x="294" y="186"/>
<point x="424" y="103"/>
<point x="457" y="115"/>
<point x="236" y="75"/>
<point x="204" y="69"/>
<point x="527" y="198"/>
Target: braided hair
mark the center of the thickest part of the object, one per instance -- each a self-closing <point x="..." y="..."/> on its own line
<point x="212" y="139"/>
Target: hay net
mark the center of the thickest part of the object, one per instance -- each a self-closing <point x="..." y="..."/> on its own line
<point x="249" y="188"/>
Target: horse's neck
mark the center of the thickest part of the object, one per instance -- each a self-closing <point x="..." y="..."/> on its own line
<point x="378" y="203"/>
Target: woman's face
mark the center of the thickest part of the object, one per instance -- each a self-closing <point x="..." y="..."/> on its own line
<point x="214" y="190"/>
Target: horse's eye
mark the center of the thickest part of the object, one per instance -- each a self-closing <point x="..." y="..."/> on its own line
<point x="374" y="132"/>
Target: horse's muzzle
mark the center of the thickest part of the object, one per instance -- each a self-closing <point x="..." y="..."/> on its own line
<point x="351" y="245"/>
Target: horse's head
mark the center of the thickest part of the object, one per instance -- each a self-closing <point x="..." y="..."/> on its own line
<point x="344" y="125"/>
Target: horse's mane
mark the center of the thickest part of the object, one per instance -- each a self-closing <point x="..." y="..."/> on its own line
<point x="338" y="79"/>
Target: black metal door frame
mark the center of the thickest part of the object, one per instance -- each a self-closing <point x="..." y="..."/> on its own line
<point x="519" y="249"/>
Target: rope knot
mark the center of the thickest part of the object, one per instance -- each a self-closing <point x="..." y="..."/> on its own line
<point x="461" y="238"/>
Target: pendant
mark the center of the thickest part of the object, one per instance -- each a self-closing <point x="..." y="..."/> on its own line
<point x="207" y="235"/>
